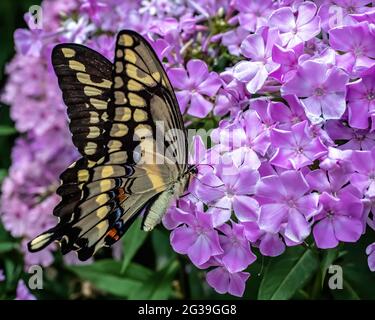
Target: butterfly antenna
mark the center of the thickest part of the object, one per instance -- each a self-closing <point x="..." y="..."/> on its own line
<point x="205" y="184"/>
<point x="205" y="164"/>
<point x="208" y="204"/>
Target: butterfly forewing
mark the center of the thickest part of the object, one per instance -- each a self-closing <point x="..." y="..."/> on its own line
<point x="142" y="90"/>
<point x="85" y="79"/>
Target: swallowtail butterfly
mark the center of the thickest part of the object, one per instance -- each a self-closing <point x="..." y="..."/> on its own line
<point x="116" y="111"/>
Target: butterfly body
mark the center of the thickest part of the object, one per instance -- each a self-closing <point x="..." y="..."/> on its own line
<point x="161" y="204"/>
<point x="126" y="123"/>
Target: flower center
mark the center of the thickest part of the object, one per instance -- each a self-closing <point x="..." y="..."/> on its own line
<point x="350" y="10"/>
<point x="360" y="137"/>
<point x="230" y="193"/>
<point x="200" y="230"/>
<point x="359" y="51"/>
<point x="299" y="150"/>
<point x="295" y="120"/>
<point x="319" y="92"/>
<point x="234" y="241"/>
<point x="330" y="214"/>
<point x="291" y="203"/>
<point x="371" y="96"/>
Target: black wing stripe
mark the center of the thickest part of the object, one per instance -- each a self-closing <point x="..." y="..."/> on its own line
<point x="85" y="78"/>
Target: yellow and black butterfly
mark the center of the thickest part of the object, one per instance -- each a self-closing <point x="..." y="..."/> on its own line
<point x="116" y="111"/>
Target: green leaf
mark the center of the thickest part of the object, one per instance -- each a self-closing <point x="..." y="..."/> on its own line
<point x="7" y="131"/>
<point x="358" y="280"/>
<point x="106" y="275"/>
<point x="7" y="246"/>
<point x="3" y="174"/>
<point x="162" y="248"/>
<point x="159" y="285"/>
<point x="196" y="282"/>
<point x="288" y="273"/>
<point x="132" y="241"/>
<point x="12" y="273"/>
<point x="329" y="257"/>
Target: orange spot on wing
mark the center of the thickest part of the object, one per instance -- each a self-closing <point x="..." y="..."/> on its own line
<point x="121" y="195"/>
<point x="113" y="234"/>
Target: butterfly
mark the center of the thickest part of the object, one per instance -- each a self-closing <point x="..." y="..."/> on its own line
<point x="126" y="123"/>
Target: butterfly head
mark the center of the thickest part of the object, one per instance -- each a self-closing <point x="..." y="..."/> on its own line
<point x="192" y="169"/>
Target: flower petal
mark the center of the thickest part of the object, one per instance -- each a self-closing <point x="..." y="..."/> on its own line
<point x="324" y="234"/>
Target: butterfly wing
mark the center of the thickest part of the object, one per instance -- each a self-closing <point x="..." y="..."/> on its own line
<point x="143" y="92"/>
<point x="85" y="79"/>
<point x="140" y="80"/>
<point x="129" y="168"/>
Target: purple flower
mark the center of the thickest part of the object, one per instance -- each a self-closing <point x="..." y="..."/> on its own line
<point x="231" y="187"/>
<point x="286" y="203"/>
<point x="103" y="44"/>
<point x="271" y="244"/>
<point x="288" y="61"/>
<point x="43" y="258"/>
<point x="253" y="14"/>
<point x="246" y="135"/>
<point x="339" y="220"/>
<point x="71" y="258"/>
<point x="29" y="42"/>
<point x="232" y="98"/>
<point x="2" y="276"/>
<point x="255" y="135"/>
<point x="23" y="292"/>
<point x="77" y="31"/>
<point x="296" y="148"/>
<point x="363" y="163"/>
<point x="287" y="115"/>
<point x="258" y="48"/>
<point x="336" y="159"/>
<point x="357" y="139"/>
<point x="337" y="13"/>
<point x="322" y="90"/>
<point x="328" y="181"/>
<point x="237" y="254"/>
<point x="370" y="251"/>
<point x="358" y="44"/>
<point x="225" y="282"/>
<point x="232" y="39"/>
<point x="367" y="16"/>
<point x="296" y="28"/>
<point x="361" y="101"/>
<point x="94" y="9"/>
<point x="196" y="237"/>
<point x="195" y="83"/>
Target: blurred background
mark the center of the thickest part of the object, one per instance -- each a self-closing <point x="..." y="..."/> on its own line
<point x="12" y="18"/>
